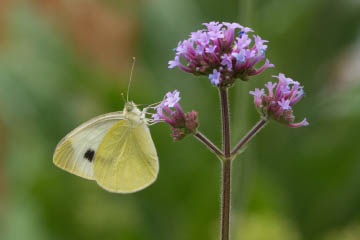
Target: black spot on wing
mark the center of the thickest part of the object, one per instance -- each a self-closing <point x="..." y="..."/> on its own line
<point x="89" y="155"/>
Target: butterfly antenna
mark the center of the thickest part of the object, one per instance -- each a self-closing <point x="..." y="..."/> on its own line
<point x="123" y="98"/>
<point x="131" y="74"/>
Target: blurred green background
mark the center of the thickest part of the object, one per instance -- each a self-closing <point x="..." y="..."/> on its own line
<point x="63" y="62"/>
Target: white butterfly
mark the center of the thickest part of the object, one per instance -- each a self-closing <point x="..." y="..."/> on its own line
<point x="115" y="149"/>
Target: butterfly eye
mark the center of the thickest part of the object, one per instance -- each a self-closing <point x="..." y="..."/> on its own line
<point x="129" y="107"/>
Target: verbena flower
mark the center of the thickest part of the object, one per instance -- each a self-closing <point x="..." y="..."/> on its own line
<point x="223" y="52"/>
<point x="170" y="111"/>
<point x="278" y="103"/>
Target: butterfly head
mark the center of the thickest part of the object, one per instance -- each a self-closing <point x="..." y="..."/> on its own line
<point x="129" y="107"/>
<point x="131" y="111"/>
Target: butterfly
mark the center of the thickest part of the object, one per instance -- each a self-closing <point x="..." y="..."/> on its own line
<point x="115" y="149"/>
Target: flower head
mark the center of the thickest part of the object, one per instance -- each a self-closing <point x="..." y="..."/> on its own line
<point x="218" y="48"/>
<point x="170" y="111"/>
<point x="279" y="105"/>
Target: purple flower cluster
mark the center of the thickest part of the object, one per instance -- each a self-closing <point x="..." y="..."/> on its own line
<point x="223" y="52"/>
<point x="170" y="111"/>
<point x="278" y="104"/>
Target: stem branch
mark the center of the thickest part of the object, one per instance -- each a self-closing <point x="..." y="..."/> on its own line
<point x="212" y="147"/>
<point x="258" y="126"/>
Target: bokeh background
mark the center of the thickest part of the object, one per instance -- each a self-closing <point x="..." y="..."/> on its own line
<point x="63" y="62"/>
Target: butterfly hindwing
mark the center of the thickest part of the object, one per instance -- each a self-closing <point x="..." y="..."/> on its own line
<point x="75" y="153"/>
<point x="126" y="160"/>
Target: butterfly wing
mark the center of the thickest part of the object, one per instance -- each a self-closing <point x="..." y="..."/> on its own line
<point x="126" y="160"/>
<point x="75" y="152"/>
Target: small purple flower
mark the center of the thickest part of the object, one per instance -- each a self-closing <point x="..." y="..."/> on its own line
<point x="181" y="48"/>
<point x="175" y="62"/>
<point x="217" y="47"/>
<point x="172" y="98"/>
<point x="299" y="124"/>
<point x="266" y="65"/>
<point x="204" y="40"/>
<point x="158" y="114"/>
<point x="170" y="111"/>
<point x="259" y="44"/>
<point x="196" y="36"/>
<point x="279" y="105"/>
<point x="270" y="86"/>
<point x="243" y="42"/>
<point x="247" y="29"/>
<point x="215" y="77"/>
<point x="284" y="81"/>
<point x="284" y="104"/>
<point x="258" y="93"/>
<point x="232" y="25"/>
<point x="210" y="49"/>
<point x="227" y="61"/>
<point x="213" y="26"/>
<point x="214" y="35"/>
<point x="240" y="57"/>
<point x="199" y="49"/>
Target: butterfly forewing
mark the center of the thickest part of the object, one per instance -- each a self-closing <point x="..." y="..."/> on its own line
<point x="76" y="151"/>
<point x="126" y="160"/>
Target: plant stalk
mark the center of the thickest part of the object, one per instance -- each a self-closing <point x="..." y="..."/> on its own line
<point x="226" y="165"/>
<point x="210" y="145"/>
<point x="258" y="126"/>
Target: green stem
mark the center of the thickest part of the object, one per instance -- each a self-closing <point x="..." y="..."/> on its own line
<point x="258" y="126"/>
<point x="210" y="145"/>
<point x="226" y="166"/>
